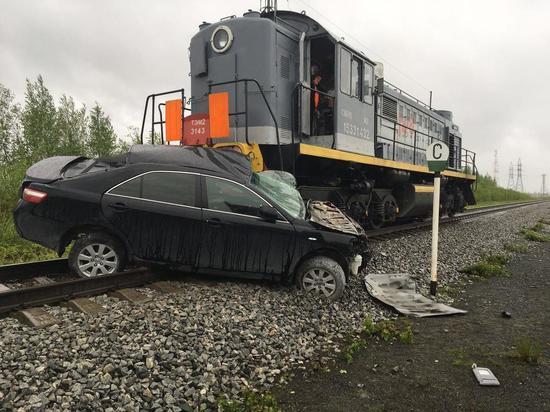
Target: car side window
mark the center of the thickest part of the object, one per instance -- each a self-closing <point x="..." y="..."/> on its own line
<point x="168" y="187"/>
<point x="227" y="196"/>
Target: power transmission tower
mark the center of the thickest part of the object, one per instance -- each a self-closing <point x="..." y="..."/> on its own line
<point x="495" y="168"/>
<point x="519" y="177"/>
<point x="543" y="188"/>
<point x="511" y="176"/>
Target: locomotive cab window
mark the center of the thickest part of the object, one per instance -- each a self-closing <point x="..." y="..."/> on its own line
<point x="356" y="77"/>
<point x="367" y="83"/>
<point x="345" y="71"/>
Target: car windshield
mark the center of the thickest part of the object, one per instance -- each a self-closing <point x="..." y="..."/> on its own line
<point x="279" y="187"/>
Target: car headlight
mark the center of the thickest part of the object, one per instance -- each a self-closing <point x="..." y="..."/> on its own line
<point x="221" y="39"/>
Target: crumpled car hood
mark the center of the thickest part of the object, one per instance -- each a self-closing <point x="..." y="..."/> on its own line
<point x="329" y="216"/>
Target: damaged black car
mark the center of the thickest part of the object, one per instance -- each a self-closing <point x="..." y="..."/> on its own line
<point x="198" y="210"/>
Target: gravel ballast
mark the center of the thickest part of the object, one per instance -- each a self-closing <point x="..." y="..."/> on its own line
<point x="218" y="339"/>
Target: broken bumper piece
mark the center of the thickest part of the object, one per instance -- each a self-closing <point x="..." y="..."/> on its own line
<point x="355" y="264"/>
<point x="399" y="291"/>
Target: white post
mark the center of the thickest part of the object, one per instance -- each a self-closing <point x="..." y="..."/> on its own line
<point x="435" y="233"/>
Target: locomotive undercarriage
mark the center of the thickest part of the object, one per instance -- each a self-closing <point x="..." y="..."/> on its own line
<point x="384" y="201"/>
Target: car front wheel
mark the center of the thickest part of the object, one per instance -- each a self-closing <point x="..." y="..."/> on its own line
<point x="96" y="254"/>
<point x="323" y="276"/>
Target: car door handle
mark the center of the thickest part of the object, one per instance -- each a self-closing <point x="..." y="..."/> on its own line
<point x="119" y="207"/>
<point x="214" y="222"/>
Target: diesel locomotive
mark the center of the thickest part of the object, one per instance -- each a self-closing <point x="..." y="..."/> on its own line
<point x="300" y="99"/>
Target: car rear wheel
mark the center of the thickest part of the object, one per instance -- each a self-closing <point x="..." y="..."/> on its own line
<point x="322" y="276"/>
<point x="96" y="254"/>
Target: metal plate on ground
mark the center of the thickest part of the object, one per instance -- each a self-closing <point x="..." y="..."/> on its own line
<point x="399" y="291"/>
<point x="35" y="317"/>
<point x="130" y="295"/>
<point x="84" y="305"/>
<point x="164" y="287"/>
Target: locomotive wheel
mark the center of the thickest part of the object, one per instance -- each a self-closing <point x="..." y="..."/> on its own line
<point x="376" y="221"/>
<point x="383" y="212"/>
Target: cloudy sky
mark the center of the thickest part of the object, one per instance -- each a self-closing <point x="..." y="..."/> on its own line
<point x="487" y="61"/>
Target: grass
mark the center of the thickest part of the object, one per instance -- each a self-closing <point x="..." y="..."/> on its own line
<point x="487" y="192"/>
<point x="489" y="203"/>
<point x="529" y="350"/>
<point x="516" y="248"/>
<point x="463" y="357"/>
<point x="488" y="266"/>
<point x="399" y="330"/>
<point x="355" y="346"/>
<point x="252" y="402"/>
<point x="536" y="233"/>
<point x="14" y="249"/>
<point x="389" y="330"/>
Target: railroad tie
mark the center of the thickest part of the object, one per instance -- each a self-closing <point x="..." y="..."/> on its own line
<point x="35" y="317"/>
<point x="164" y="287"/>
<point x="84" y="305"/>
<point x="129" y="295"/>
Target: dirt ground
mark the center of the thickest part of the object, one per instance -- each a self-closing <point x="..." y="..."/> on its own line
<point x="434" y="373"/>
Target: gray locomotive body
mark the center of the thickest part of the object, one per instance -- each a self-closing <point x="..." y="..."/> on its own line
<point x="351" y="138"/>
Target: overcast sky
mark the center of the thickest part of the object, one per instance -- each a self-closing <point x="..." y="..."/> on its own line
<point x="487" y="61"/>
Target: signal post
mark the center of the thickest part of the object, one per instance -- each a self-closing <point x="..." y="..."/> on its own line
<point x="437" y="155"/>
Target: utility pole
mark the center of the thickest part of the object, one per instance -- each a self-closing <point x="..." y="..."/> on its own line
<point x="511" y="183"/>
<point x="543" y="189"/>
<point x="519" y="177"/>
<point x="495" y="168"/>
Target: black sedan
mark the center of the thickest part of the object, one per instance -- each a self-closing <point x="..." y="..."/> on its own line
<point x="198" y="210"/>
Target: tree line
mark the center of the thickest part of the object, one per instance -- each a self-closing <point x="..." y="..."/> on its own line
<point x="41" y="128"/>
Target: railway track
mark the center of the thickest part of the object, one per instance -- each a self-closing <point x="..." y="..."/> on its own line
<point x="391" y="232"/>
<point x="51" y="290"/>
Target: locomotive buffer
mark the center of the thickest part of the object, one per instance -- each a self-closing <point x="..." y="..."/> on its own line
<point x="437" y="155"/>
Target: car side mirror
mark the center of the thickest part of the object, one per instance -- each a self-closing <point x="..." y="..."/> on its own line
<point x="269" y="213"/>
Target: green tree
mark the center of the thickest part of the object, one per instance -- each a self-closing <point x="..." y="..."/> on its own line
<point x="102" y="139"/>
<point x="40" y="136"/>
<point x="10" y="124"/>
<point x="72" y="127"/>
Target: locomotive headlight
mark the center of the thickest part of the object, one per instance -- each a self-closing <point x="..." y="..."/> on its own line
<point x="221" y="39"/>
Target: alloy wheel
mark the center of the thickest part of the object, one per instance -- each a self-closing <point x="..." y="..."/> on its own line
<point x="97" y="259"/>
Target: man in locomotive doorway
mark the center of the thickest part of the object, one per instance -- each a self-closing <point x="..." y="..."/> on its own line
<point x="315" y="103"/>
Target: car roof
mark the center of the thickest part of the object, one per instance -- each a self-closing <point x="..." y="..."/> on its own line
<point x="223" y="162"/>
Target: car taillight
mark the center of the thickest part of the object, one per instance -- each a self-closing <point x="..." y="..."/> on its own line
<point x="34" y="196"/>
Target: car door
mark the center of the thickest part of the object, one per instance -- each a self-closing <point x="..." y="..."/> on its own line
<point x="157" y="213"/>
<point x="236" y="240"/>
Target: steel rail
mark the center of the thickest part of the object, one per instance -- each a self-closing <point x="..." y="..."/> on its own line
<point x="391" y="231"/>
<point x="60" y="291"/>
<point x="17" y="271"/>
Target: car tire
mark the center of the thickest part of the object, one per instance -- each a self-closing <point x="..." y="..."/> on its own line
<point x="323" y="276"/>
<point x="97" y="254"/>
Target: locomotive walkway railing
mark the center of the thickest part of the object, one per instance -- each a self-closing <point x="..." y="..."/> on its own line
<point x="151" y="98"/>
<point x="245" y="112"/>
<point x="463" y="161"/>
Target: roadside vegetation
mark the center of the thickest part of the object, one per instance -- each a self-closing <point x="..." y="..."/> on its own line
<point x="488" y="266"/>
<point x="387" y="330"/>
<point x="487" y="192"/>
<point x="37" y="129"/>
<point x="537" y="233"/>
<point x="528" y="350"/>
